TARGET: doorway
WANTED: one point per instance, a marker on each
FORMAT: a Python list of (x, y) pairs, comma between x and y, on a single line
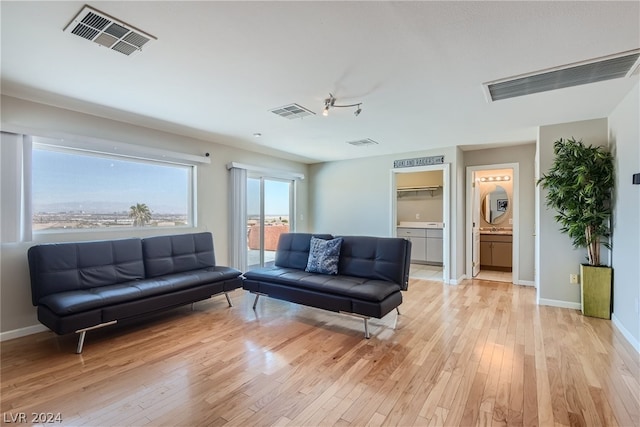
[(420, 199), (492, 237)]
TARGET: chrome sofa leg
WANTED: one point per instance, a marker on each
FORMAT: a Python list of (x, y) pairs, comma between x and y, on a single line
[(192, 306), (398, 310), (81, 342), (366, 322), (229, 299), (255, 302), (83, 333)]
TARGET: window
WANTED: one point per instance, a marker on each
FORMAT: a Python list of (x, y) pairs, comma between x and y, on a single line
[(78, 189)]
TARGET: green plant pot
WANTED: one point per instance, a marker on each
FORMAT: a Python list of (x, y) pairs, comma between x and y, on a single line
[(595, 286)]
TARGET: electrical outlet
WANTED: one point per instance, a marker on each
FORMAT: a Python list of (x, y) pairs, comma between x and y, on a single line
[(573, 279), (417, 216)]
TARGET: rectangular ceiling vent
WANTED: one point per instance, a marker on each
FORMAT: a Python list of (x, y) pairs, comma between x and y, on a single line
[(292, 111), (596, 70), (106, 31), (363, 142)]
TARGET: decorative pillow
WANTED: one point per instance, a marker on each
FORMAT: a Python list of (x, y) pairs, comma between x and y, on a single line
[(323, 255)]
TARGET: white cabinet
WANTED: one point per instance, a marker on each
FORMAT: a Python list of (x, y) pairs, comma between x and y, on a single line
[(418, 238), (426, 244), (434, 246)]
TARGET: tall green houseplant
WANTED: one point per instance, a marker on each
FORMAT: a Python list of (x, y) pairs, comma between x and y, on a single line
[(580, 184)]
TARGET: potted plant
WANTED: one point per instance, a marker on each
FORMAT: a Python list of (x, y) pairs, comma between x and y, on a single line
[(580, 183)]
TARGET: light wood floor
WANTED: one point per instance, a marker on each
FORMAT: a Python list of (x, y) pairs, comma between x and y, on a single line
[(480, 353)]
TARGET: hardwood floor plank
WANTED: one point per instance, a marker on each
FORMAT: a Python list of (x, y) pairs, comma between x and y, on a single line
[(439, 417), (558, 397), (479, 353), (431, 403), (516, 392), (474, 400), (530, 392), (501, 405), (543, 388), (617, 394)]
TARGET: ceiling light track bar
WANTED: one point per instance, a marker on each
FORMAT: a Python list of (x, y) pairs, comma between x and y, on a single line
[(330, 102)]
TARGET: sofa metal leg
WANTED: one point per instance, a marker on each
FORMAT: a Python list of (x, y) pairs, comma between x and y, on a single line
[(366, 322), (398, 310), (366, 328), (83, 333), (255, 302), (228, 299), (192, 306), (81, 342)]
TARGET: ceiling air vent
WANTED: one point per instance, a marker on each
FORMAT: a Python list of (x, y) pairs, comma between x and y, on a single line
[(363, 142), (595, 70), (106, 31), (292, 111)]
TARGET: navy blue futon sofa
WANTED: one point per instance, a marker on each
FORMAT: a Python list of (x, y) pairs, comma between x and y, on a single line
[(371, 273), (86, 285)]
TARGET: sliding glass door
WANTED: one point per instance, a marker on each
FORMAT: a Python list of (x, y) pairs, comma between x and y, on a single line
[(269, 214)]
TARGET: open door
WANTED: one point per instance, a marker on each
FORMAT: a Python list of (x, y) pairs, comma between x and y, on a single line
[(475, 213)]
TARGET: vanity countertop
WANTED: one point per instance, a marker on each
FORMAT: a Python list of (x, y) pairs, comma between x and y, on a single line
[(419, 224), (497, 230)]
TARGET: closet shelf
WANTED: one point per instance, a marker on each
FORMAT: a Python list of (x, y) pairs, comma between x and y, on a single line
[(430, 188)]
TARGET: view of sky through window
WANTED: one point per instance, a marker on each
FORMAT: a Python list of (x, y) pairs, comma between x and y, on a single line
[(73, 183), (276, 197)]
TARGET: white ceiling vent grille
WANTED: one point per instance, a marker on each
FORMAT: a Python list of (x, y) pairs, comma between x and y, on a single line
[(363, 142), (595, 70), (106, 31), (292, 111)]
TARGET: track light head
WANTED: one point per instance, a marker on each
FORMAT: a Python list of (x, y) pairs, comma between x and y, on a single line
[(329, 101)]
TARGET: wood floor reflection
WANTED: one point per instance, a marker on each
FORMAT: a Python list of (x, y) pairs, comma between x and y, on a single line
[(480, 353)]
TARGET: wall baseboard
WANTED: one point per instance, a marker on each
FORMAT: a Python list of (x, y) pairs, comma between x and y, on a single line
[(526, 283), (457, 281), (561, 304), (634, 342), (22, 332)]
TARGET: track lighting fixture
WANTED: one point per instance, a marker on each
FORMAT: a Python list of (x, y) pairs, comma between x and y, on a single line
[(330, 102)]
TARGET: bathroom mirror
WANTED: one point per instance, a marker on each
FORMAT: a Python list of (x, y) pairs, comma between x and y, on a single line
[(495, 205)]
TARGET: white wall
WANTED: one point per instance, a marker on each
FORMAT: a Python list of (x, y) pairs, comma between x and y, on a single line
[(212, 192), (557, 258), (624, 140), (353, 197), (523, 155), (420, 206)]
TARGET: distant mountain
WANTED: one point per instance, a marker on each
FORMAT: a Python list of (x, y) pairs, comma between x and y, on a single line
[(100, 207)]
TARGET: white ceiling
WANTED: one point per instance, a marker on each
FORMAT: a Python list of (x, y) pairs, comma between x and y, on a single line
[(217, 69)]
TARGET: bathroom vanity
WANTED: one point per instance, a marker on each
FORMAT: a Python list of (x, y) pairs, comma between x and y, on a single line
[(496, 250)]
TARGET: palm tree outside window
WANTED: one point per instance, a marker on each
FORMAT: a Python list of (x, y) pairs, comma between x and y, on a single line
[(140, 213)]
